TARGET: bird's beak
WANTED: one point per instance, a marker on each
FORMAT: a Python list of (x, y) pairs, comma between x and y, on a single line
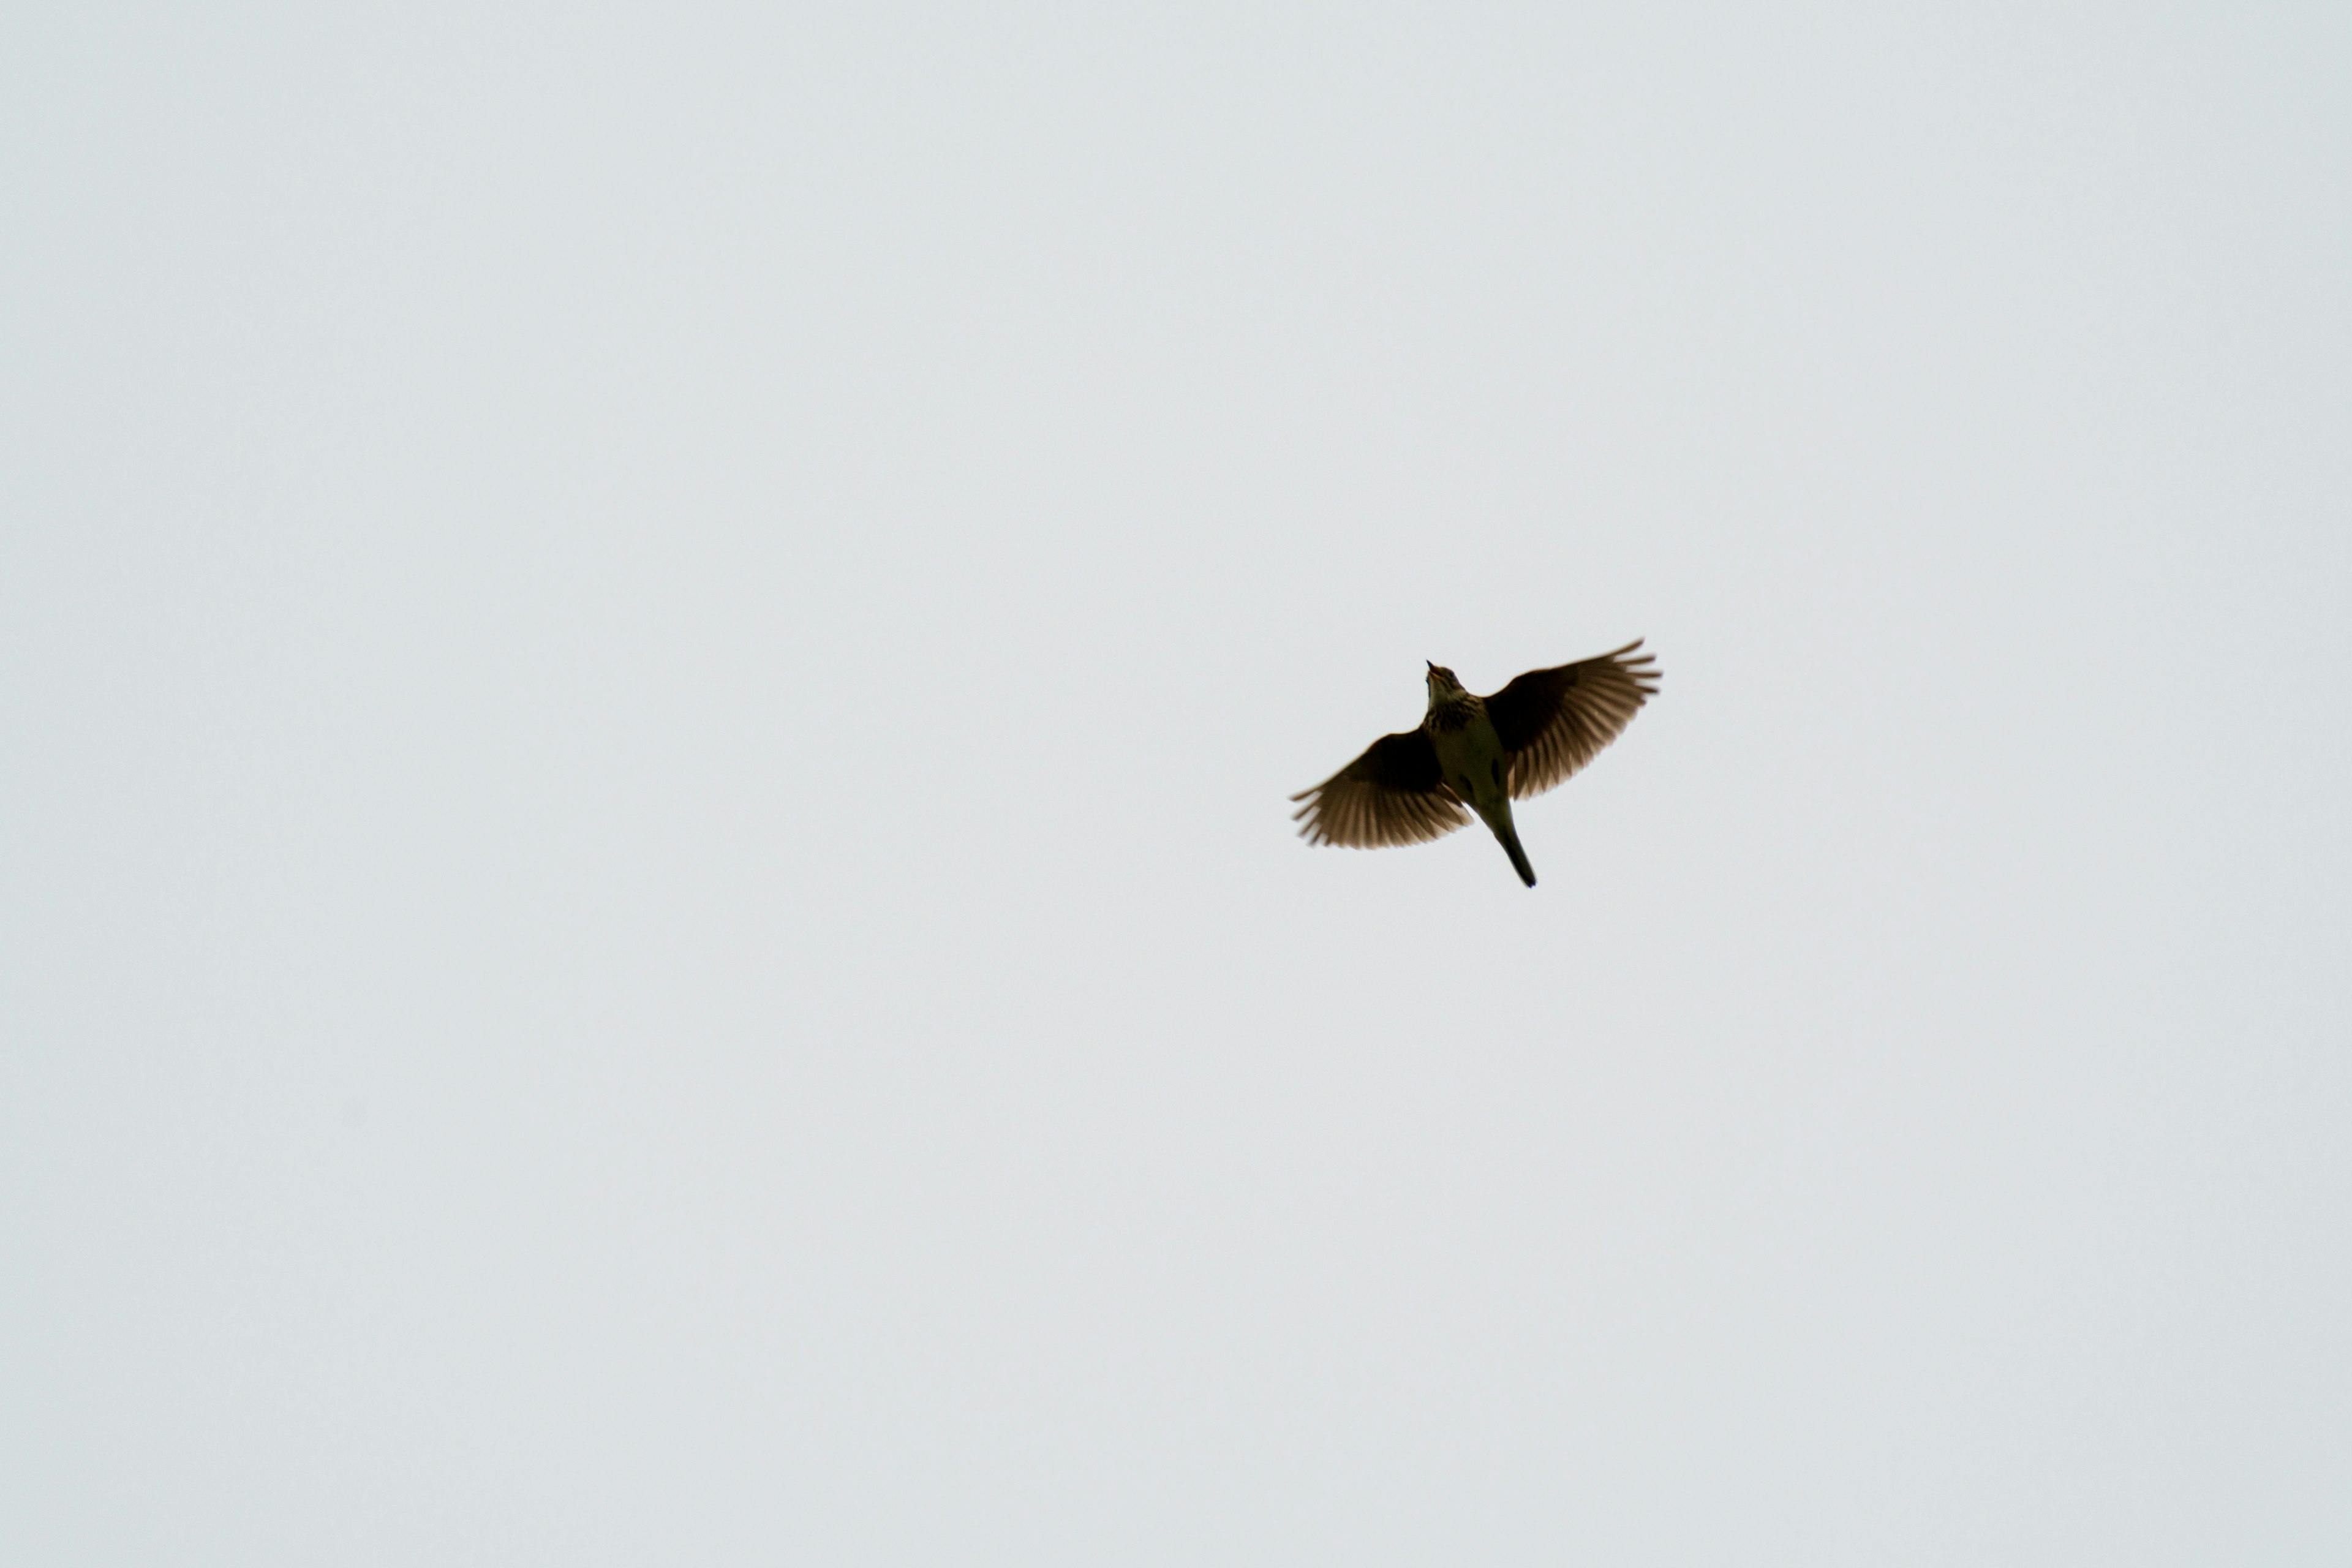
[(1432, 665)]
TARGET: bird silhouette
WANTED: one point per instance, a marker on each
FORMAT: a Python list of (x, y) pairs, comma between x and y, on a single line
[(1479, 752)]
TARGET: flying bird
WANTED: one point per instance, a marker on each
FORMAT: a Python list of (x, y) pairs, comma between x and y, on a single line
[(1479, 752)]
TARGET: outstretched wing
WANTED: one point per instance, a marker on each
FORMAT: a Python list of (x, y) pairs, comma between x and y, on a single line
[(1391, 794), (1553, 721)]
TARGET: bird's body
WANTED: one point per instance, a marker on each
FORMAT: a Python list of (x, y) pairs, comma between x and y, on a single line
[(1481, 753), (1471, 762)]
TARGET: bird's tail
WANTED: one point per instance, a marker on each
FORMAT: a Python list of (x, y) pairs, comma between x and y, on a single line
[(1509, 835)]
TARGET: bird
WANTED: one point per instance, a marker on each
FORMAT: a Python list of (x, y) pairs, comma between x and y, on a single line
[(1479, 752)]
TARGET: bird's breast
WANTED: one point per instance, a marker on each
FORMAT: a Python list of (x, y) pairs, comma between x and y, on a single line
[(1454, 717)]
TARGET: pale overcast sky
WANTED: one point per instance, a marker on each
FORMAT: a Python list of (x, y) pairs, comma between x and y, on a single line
[(649, 662)]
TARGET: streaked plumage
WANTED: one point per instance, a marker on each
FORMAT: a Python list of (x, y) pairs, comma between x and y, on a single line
[(1479, 753)]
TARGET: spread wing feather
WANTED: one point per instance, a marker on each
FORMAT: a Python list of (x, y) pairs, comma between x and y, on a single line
[(1391, 794), (1553, 721)]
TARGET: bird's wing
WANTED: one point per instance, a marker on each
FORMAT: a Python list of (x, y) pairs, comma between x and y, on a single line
[(1553, 721), (1391, 794)]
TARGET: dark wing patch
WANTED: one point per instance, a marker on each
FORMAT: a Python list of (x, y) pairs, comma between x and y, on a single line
[(1391, 794), (1553, 721)]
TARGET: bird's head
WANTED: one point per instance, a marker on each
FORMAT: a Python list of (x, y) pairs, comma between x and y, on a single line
[(1443, 687)]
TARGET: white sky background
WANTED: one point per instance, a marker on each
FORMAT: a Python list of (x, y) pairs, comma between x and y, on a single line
[(648, 666)]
